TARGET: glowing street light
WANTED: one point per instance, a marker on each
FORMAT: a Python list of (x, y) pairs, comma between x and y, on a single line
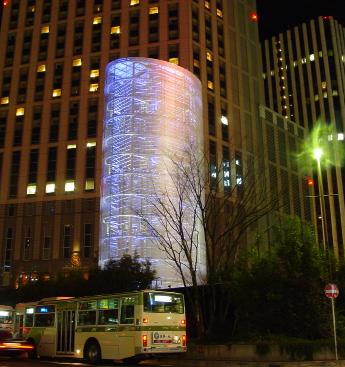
[(317, 154)]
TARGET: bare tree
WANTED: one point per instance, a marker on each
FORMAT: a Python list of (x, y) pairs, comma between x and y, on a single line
[(200, 221)]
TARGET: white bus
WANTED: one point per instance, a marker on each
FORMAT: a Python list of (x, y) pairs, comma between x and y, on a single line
[(6, 318), (116, 326)]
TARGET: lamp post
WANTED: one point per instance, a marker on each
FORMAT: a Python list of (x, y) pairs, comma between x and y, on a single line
[(318, 153)]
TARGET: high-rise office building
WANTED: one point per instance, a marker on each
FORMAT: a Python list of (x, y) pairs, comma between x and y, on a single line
[(52, 72), (304, 77)]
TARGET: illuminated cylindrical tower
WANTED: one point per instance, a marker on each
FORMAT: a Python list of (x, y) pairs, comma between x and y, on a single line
[(152, 109)]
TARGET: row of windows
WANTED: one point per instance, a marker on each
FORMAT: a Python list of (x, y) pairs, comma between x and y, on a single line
[(37, 123), (46, 243), (51, 177), (114, 32)]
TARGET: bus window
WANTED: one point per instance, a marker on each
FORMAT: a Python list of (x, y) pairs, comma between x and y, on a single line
[(44, 319), (29, 320), (87, 318), (163, 302), (127, 314), (108, 317), (44, 316)]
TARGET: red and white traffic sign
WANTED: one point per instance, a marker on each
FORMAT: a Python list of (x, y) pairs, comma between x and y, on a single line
[(331, 290)]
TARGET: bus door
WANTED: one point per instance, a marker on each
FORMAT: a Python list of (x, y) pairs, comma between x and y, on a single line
[(65, 331), (18, 325)]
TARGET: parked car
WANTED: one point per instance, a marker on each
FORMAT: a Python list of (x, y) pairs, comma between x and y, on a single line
[(14, 347)]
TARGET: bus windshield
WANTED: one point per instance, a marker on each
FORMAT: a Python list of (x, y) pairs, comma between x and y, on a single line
[(163, 302)]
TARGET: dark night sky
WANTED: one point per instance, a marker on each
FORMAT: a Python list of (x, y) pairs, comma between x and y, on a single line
[(278, 15)]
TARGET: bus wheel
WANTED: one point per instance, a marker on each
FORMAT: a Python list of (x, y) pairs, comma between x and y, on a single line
[(92, 352)]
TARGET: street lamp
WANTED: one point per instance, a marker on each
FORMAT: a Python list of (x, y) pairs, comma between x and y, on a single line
[(318, 153)]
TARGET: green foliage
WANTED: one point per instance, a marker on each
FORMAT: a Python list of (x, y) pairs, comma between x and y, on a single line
[(125, 274), (281, 292)]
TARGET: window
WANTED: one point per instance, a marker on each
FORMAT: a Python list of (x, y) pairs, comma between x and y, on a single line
[(70, 168), (87, 313), (92, 118), (33, 168), (18, 130), (8, 249), (67, 241), (153, 24), (36, 124), (27, 250), (3, 122), (26, 46), (127, 313), (54, 122), (87, 240), (46, 11), (134, 2), (46, 247), (133, 28), (73, 121), (14, 174), (173, 28), (60, 40), (51, 165)]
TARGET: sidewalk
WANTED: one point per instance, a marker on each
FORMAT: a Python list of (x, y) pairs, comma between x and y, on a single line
[(224, 363)]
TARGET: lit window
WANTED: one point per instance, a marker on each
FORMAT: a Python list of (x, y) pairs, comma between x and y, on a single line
[(207, 4), (45, 29), (323, 85), (115, 30), (208, 56), (76, 62), (320, 53), (50, 188), (93, 87), (56, 93), (134, 2), (209, 84), (330, 138), (31, 189), (224, 120), (272, 72), (219, 13), (316, 97), (97, 20), (153, 10), (89, 184), (311, 57), (32, 9), (295, 63), (41, 68), (69, 186), (334, 92), (94, 73), (239, 180), (263, 75), (90, 144), (303, 60), (20, 111), (71, 146), (341, 136), (196, 63), (4, 100), (173, 60)]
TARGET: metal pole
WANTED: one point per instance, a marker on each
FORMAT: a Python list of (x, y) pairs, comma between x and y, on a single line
[(322, 206), (334, 330)]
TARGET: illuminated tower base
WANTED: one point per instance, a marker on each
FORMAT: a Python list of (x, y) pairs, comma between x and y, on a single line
[(153, 109)]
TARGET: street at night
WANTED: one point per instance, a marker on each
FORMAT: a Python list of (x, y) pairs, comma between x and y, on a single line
[(24, 362)]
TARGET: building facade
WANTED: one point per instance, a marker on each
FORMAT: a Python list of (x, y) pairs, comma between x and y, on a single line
[(304, 77), (52, 76)]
